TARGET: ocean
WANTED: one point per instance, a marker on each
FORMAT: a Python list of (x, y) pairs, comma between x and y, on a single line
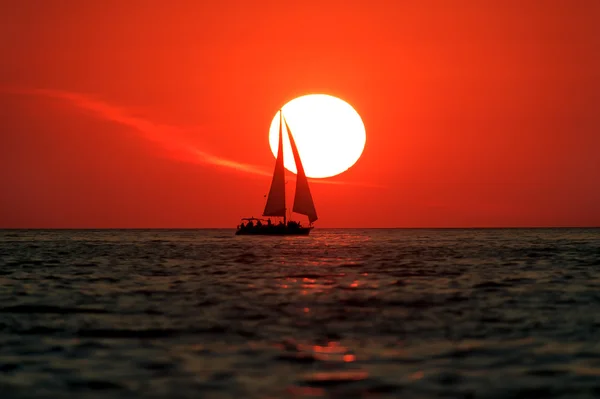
[(342, 313)]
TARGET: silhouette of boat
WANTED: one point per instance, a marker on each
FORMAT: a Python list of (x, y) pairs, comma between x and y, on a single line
[(303, 202)]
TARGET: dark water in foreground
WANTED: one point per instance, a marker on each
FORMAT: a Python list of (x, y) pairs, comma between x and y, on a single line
[(341, 313)]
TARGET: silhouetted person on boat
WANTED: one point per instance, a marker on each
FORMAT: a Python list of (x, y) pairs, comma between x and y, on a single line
[(269, 222), (250, 224), (258, 223)]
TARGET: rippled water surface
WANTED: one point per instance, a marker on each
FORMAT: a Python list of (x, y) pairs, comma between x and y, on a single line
[(341, 313)]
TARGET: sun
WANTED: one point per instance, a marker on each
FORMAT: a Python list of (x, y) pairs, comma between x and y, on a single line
[(329, 134)]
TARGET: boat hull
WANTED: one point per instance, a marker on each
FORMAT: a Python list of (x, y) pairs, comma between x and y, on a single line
[(274, 231)]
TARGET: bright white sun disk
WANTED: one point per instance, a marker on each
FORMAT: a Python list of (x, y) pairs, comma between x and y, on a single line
[(329, 134)]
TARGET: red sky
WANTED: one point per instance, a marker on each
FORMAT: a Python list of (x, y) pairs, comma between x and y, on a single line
[(156, 114)]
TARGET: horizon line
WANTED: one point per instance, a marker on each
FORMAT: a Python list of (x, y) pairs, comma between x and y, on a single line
[(320, 228)]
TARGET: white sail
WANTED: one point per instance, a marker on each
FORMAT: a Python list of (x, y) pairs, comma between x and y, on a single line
[(276, 200), (303, 202)]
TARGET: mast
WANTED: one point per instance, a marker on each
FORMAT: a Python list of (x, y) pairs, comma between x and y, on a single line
[(283, 163), (276, 200)]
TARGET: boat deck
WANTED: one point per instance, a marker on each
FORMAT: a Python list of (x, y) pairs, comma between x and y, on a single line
[(274, 230)]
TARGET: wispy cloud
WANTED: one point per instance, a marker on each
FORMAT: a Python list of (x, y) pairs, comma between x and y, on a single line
[(167, 136), (170, 138)]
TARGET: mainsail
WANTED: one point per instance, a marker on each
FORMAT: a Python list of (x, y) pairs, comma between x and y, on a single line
[(276, 200), (303, 202)]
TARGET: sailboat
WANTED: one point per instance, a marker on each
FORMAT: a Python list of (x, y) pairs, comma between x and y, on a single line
[(303, 202)]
